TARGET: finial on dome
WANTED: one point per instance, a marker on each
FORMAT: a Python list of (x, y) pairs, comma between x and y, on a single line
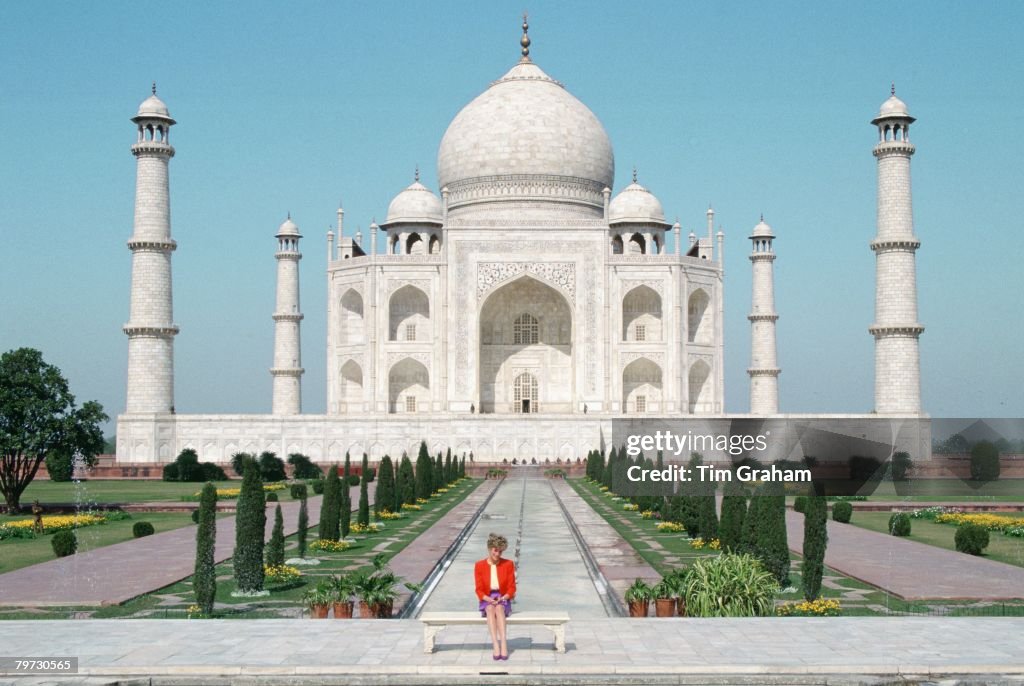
[(289, 214), (762, 216), (416, 175), (634, 173), (525, 40), (154, 88), (892, 88)]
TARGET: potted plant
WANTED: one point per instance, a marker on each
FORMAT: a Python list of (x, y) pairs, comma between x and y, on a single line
[(638, 598), (318, 598), (343, 588), (664, 601), (676, 581)]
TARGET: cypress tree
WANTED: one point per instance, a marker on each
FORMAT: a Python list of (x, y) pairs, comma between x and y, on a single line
[(364, 496), (438, 473), (734, 511), (424, 478), (275, 549), (329, 506), (772, 545), (598, 473), (462, 467), (815, 542), (707, 512), (345, 501), (250, 524), (204, 582), (748, 532), (449, 469), (606, 470), (406, 481), (384, 496), (303, 532)]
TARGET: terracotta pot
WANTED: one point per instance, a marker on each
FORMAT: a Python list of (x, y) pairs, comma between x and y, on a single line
[(665, 607), (383, 610), (343, 610), (682, 606), (638, 608), (365, 611), (318, 611)]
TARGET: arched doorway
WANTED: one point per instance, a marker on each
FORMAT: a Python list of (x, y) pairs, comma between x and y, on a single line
[(524, 390)]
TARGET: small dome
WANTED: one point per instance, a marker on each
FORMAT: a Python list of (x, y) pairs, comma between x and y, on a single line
[(153, 108), (893, 108), (288, 228), (635, 205), (762, 230), (414, 205)]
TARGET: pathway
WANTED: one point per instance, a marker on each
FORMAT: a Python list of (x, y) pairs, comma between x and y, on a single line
[(908, 569), (610, 650), (116, 573)]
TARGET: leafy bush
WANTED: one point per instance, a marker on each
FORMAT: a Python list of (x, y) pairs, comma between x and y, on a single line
[(271, 467), (187, 467), (329, 519), (971, 538), (250, 525), (275, 548), (899, 524), (240, 460), (303, 467), (272, 497), (60, 466), (729, 586), (140, 529), (212, 472), (64, 543), (815, 543), (204, 581), (318, 487), (298, 491), (800, 504), (984, 461), (863, 468), (170, 472), (353, 480), (901, 463), (842, 511), (195, 513)]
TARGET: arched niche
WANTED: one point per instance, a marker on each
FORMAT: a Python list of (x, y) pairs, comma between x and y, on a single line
[(409, 315), (408, 387), (698, 320), (641, 315), (641, 386), (351, 378), (700, 388), (352, 323)]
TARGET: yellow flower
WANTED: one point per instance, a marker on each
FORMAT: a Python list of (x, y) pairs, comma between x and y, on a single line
[(280, 574), (669, 527), (715, 544), (372, 527), (329, 546), (647, 514), (407, 506), (697, 543), (630, 507), (388, 514)]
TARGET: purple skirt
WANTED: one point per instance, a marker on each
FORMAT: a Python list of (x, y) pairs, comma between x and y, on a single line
[(507, 604)]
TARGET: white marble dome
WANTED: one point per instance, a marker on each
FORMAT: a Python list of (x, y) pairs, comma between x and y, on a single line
[(762, 230), (526, 123), (288, 228), (893, 107), (417, 204), (153, 107), (635, 205)]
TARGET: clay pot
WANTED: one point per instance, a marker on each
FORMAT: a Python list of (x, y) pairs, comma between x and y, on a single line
[(638, 608), (383, 610), (318, 611), (665, 607), (682, 606), (365, 611), (343, 610)]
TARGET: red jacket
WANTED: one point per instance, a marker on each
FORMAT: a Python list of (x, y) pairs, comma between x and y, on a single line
[(506, 578)]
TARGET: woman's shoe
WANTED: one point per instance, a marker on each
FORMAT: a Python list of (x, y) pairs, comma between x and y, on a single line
[(503, 657), (497, 657)]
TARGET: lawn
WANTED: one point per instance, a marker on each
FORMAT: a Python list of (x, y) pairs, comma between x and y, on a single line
[(16, 553), (284, 600), (105, 491), (1001, 548), (958, 490)]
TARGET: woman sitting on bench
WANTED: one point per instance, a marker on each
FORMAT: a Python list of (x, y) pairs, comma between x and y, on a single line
[(495, 588)]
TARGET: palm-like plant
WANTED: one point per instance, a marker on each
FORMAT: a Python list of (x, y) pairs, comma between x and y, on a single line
[(730, 586)]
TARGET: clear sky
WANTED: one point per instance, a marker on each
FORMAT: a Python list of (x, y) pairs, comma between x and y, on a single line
[(294, 106)]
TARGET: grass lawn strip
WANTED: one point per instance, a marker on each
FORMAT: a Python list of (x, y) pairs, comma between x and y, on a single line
[(105, 491)]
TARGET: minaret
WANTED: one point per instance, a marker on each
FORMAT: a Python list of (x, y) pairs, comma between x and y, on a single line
[(896, 329), (764, 370), (150, 326), (287, 370)]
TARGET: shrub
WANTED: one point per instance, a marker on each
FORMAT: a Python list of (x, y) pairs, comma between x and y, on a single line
[(971, 538), (239, 461), (297, 491), (364, 494), (329, 506), (303, 467), (204, 581), (863, 468), (140, 529), (901, 464), (271, 467), (195, 513), (353, 480), (729, 586), (60, 466), (800, 504), (272, 497), (815, 542), (250, 524), (212, 472), (64, 543), (899, 524), (384, 494), (424, 473), (170, 472), (406, 482), (772, 547), (275, 548), (318, 486), (734, 511), (984, 461), (344, 502), (303, 529), (842, 511)]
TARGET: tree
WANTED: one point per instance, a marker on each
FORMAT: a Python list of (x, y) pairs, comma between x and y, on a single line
[(275, 549), (901, 463), (406, 481), (815, 541), (772, 544), (438, 473), (364, 495), (462, 468), (748, 532), (449, 475), (984, 461), (271, 467), (424, 478), (329, 506), (344, 502), (303, 533), (240, 460), (304, 467), (38, 417), (204, 580), (384, 496), (250, 523), (734, 511)]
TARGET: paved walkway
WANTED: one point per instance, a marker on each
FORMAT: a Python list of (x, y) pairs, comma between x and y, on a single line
[(598, 650), (908, 569), (550, 573), (116, 573)]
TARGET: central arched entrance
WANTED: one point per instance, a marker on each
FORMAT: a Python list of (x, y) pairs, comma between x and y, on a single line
[(526, 350)]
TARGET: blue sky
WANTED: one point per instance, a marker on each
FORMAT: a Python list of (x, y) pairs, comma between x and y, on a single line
[(293, 106)]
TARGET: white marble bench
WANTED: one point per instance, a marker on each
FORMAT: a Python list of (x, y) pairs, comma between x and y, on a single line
[(434, 622)]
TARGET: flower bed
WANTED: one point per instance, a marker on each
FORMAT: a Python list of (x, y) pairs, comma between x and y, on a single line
[(630, 507), (407, 506), (370, 528), (670, 527), (820, 607), (280, 574), (700, 544), (388, 514), (24, 528), (1011, 526), (231, 493), (330, 546)]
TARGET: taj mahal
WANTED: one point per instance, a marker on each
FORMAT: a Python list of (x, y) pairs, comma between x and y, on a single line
[(514, 311)]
